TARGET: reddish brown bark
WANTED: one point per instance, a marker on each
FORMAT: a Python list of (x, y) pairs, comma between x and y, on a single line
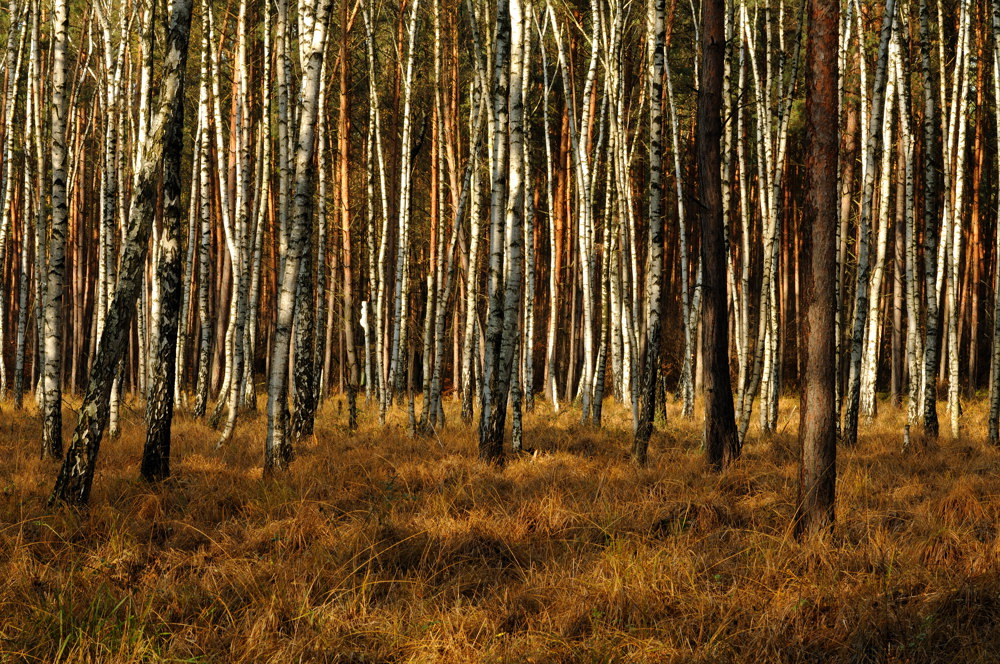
[(722, 444), (818, 415)]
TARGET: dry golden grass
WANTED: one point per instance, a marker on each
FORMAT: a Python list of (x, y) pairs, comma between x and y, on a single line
[(378, 548)]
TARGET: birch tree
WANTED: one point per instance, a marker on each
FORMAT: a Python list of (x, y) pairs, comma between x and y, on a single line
[(52, 445), (277, 450), (656, 40), (16, 39), (77, 473), (872, 152), (155, 463), (932, 161)]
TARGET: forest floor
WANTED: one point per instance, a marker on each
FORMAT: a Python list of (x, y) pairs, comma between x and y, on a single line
[(376, 547)]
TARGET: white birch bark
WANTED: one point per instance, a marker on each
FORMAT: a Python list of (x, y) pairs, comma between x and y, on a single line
[(380, 279), (656, 47), (472, 272), (401, 286), (77, 472), (914, 339), (503, 325), (16, 38), (225, 216), (240, 251), (526, 377), (277, 446), (552, 389), (262, 210), (490, 441), (960, 111), (932, 158), (871, 153), (773, 139), (869, 358), (205, 237), (56, 267)]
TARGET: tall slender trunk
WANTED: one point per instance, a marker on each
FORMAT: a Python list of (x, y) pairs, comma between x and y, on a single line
[(654, 256), (964, 76), (343, 155), (52, 444), (204, 245), (77, 473), (872, 151), (818, 415), (241, 256), (277, 450), (870, 349), (155, 463), (472, 262), (490, 443), (932, 164), (551, 386), (264, 207), (401, 289), (994, 416), (16, 39), (722, 443), (504, 324)]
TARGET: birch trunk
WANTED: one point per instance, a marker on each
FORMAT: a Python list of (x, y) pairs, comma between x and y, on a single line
[(278, 451), (204, 245), (26, 227), (872, 151), (52, 444), (263, 209), (654, 256), (16, 38), (155, 463), (472, 275), (965, 75), (503, 329), (869, 358), (932, 165), (379, 277), (77, 472), (490, 443), (401, 289), (551, 387), (241, 256), (914, 340)]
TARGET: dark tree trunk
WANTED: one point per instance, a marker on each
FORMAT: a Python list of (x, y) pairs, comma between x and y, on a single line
[(818, 415), (722, 444)]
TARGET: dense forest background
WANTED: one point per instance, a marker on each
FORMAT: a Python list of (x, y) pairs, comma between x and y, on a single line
[(386, 199)]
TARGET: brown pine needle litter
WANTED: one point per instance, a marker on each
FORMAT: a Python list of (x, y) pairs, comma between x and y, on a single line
[(376, 547)]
